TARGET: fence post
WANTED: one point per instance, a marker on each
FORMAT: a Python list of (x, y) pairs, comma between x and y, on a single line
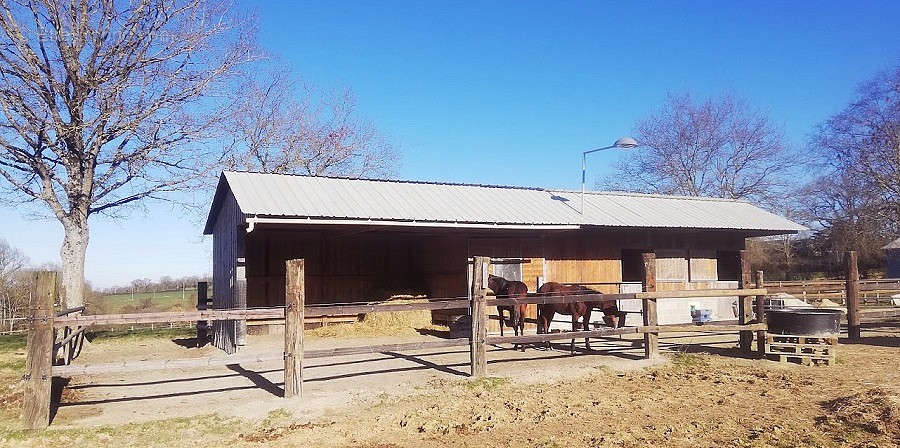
[(760, 316), (202, 292), (294, 303), (479, 316), (64, 347), (240, 292), (648, 280), (852, 302), (745, 303), (39, 357)]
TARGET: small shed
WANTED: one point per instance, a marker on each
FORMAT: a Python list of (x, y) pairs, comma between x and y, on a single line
[(370, 239), (892, 259)]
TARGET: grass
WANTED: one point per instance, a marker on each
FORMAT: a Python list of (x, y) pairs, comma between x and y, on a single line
[(689, 360), (166, 432), (15, 365), (12, 342), (149, 301), (140, 333), (487, 382)]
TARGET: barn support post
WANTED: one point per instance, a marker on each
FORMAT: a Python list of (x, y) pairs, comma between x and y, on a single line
[(745, 303), (648, 284), (478, 355), (294, 303), (202, 326), (39, 357), (760, 316), (852, 288), (240, 298)]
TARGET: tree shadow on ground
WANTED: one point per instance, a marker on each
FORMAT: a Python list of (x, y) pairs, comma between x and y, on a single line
[(428, 364), (191, 342), (878, 341), (731, 352), (443, 334)]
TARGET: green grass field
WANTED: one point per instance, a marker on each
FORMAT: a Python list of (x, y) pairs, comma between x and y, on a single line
[(149, 302)]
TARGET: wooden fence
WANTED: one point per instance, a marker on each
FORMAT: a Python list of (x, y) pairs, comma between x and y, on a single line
[(865, 300), (42, 363)]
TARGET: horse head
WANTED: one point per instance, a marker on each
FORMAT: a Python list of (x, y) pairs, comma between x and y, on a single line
[(496, 284)]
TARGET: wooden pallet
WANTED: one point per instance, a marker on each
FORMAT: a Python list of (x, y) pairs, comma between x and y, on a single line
[(787, 338), (806, 350), (807, 360)]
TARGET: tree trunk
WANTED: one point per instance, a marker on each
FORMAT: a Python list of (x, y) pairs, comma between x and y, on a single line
[(72, 254)]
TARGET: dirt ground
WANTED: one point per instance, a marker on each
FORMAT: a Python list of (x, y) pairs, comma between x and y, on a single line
[(701, 394)]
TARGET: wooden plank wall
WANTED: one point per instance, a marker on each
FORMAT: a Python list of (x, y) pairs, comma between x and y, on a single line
[(346, 265), (574, 258), (340, 267), (528, 247), (228, 245)]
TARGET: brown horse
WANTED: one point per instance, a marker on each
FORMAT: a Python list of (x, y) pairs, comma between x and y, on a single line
[(577, 310), (510, 289)]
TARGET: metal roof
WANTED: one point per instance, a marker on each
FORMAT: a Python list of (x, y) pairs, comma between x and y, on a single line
[(297, 196), (892, 245)]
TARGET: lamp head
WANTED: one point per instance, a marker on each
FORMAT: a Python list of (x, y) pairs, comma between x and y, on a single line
[(626, 143)]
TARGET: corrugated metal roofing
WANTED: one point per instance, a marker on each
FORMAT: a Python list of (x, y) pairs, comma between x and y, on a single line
[(893, 244), (274, 195)]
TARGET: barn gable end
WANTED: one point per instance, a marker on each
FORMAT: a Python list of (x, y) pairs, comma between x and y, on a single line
[(229, 280)]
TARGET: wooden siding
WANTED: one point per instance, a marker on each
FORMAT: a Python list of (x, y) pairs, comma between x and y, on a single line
[(228, 245), (703, 265), (531, 271), (582, 258), (366, 264), (671, 265), (339, 267)]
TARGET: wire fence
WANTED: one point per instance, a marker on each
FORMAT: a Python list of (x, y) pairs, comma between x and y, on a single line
[(13, 325)]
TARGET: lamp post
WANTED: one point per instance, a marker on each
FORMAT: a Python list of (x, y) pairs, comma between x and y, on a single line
[(624, 143)]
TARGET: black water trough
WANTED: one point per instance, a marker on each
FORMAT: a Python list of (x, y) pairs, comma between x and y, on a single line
[(804, 321)]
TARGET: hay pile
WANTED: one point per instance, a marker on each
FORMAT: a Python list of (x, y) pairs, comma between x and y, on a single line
[(876, 411), (382, 324)]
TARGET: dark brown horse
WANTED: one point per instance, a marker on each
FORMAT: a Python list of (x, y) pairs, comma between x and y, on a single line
[(510, 289), (577, 310)]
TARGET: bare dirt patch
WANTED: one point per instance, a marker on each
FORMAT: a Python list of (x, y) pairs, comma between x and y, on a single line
[(544, 399)]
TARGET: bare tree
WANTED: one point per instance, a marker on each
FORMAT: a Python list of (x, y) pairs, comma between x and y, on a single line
[(283, 126), (105, 103), (863, 141), (13, 299), (847, 214), (719, 147)]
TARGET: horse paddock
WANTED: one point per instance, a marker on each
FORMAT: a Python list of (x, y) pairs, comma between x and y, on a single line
[(709, 396), (252, 390)]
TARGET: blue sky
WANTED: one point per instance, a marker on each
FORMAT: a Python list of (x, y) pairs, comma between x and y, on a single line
[(512, 92)]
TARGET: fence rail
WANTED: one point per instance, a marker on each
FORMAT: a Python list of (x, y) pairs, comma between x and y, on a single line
[(479, 296), (295, 312), (349, 309)]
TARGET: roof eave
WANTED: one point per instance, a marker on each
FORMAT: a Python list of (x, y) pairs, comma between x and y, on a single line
[(218, 197)]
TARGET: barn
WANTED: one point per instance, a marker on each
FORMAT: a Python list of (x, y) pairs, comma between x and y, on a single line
[(892, 258), (373, 239)]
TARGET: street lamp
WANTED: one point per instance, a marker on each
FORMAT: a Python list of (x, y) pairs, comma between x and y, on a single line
[(624, 143)]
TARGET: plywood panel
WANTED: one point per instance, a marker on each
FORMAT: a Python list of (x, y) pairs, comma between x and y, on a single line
[(703, 265), (531, 271), (671, 265), (577, 259)]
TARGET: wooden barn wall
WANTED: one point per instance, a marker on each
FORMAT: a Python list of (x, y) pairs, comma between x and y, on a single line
[(345, 266), (228, 245), (340, 267)]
